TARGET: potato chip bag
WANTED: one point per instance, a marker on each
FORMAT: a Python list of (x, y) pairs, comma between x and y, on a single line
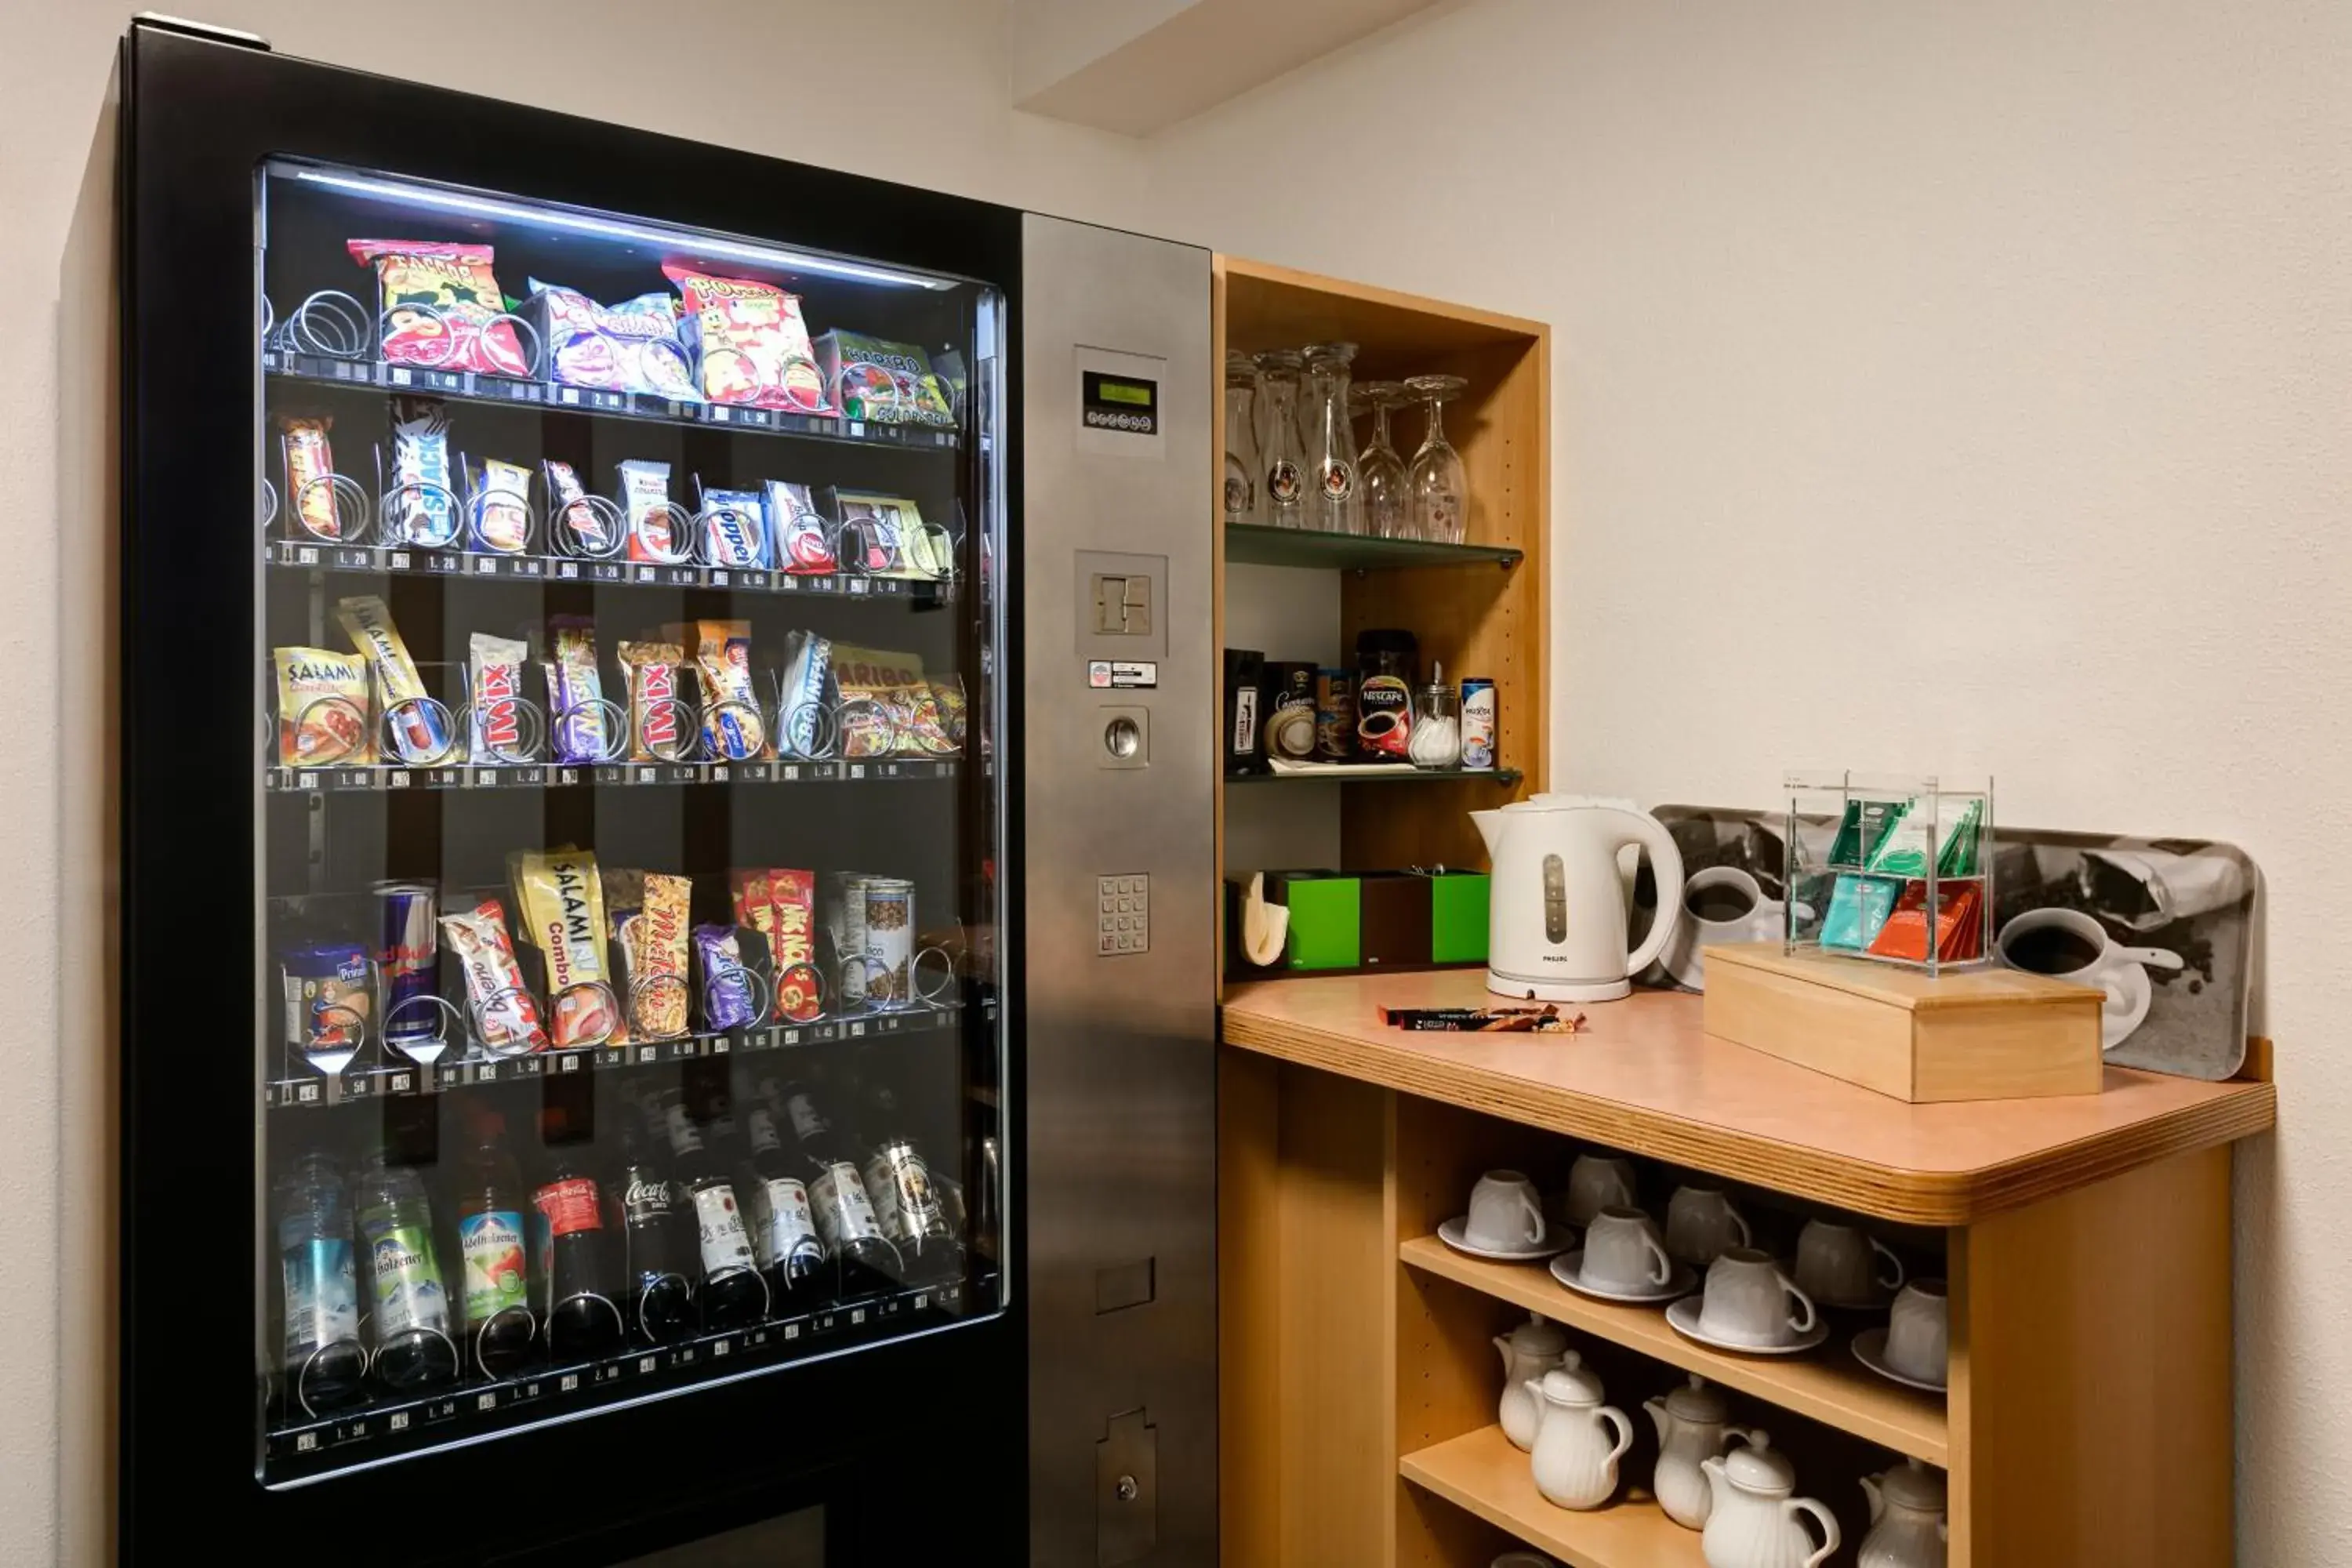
[(750, 343), (441, 307), (323, 708)]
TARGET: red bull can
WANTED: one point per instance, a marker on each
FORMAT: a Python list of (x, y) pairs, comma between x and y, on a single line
[(409, 960)]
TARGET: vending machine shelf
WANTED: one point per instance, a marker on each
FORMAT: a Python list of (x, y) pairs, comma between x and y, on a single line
[(307, 1090), (373, 780), (307, 555)]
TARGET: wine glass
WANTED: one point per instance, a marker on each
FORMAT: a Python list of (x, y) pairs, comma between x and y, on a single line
[(1440, 490), (1388, 512), (1333, 505)]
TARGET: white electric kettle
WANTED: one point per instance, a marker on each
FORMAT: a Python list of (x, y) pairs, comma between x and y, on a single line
[(1556, 905)]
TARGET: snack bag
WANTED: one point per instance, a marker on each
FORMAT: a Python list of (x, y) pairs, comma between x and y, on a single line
[(420, 734), (750, 343), (652, 520), (630, 347), (657, 718), (442, 306), (886, 706), (505, 1014), (494, 668), (780, 905), (732, 728), (947, 694), (310, 472), (424, 510), (575, 692), (799, 710), (562, 905), (500, 509), (323, 708), (653, 937), (804, 539), (727, 999), (882, 382), (889, 537), (734, 529), (568, 505)]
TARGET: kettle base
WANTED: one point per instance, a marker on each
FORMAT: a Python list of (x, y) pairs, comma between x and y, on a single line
[(1558, 990)]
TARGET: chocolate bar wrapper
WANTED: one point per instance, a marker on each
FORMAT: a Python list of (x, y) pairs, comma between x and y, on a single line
[(882, 382), (748, 890), (732, 728), (310, 460), (494, 668), (801, 718), (727, 999), (656, 717), (575, 693), (422, 511), (750, 344), (654, 942), (505, 1014), (500, 509), (323, 708), (562, 911), (568, 504), (442, 306), (734, 526), (651, 518), (420, 733), (804, 538)]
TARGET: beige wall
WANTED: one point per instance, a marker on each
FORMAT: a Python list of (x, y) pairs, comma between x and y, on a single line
[(2025, 327), (1939, 386)]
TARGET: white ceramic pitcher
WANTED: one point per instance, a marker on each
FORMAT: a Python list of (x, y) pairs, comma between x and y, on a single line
[(1529, 1351), (1575, 1464), (1907, 1528), (1694, 1425), (1752, 1521)]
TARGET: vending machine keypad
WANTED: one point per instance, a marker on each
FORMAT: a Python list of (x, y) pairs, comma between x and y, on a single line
[(1122, 914)]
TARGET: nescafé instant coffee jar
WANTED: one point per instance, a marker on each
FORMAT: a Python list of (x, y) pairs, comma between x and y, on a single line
[(1388, 663)]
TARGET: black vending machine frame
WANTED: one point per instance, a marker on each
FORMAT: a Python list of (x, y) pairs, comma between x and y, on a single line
[(914, 1447)]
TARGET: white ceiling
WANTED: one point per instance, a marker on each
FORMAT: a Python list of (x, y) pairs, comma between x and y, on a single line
[(1138, 66)]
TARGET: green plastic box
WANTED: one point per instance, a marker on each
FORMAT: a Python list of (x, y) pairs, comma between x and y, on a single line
[(1326, 920), (1457, 917)]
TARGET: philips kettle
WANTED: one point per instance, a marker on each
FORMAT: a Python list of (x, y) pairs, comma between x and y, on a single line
[(1556, 904)]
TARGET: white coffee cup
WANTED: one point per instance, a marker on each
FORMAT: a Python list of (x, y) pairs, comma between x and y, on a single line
[(1503, 1215), (1701, 1222), (1720, 904), (1623, 1253), (1835, 1263), (2108, 968), (1919, 1333), (1748, 1301), (1291, 733), (1597, 1181)]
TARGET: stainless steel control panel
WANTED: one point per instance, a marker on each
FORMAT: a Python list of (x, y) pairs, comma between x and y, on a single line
[(1118, 713)]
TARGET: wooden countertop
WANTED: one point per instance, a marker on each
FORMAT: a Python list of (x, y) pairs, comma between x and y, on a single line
[(1645, 1077)]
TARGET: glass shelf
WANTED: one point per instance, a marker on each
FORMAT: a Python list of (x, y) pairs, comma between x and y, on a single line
[(1249, 544), (1507, 776), (475, 386)]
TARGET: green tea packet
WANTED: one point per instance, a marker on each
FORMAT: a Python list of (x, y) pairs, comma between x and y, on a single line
[(1862, 830), (1858, 908), (1903, 851)]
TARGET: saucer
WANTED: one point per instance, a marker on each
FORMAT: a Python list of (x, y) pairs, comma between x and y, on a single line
[(1879, 1300), (1450, 1233), (1567, 1270), (2140, 995), (1870, 1348), (1683, 1317)]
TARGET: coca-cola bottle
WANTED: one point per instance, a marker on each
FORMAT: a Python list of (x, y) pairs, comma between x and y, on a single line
[(574, 1272), (730, 1291), (408, 1305), (657, 1248), (864, 1261), (791, 1254), (502, 1330), (324, 1363)]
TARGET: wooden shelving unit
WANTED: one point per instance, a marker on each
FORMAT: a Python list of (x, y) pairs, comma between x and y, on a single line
[(1248, 545), (1480, 1472), (1827, 1384)]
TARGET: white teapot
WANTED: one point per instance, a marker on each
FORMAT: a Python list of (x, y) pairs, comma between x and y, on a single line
[(1529, 1351), (1906, 1519), (1693, 1424), (1751, 1520), (1575, 1465)]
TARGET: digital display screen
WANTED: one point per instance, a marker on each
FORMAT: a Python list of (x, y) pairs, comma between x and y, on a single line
[(1126, 403)]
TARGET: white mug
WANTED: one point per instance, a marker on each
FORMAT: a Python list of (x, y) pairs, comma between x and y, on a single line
[(1701, 1222), (1748, 1301), (1503, 1215), (1835, 1264), (1623, 1253), (1597, 1181), (1919, 1333), (1710, 897), (2109, 969)]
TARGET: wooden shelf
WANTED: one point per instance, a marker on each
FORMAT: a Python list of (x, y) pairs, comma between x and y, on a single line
[(1645, 1077), (1827, 1384), (1480, 1472), (1251, 544), (1506, 777)]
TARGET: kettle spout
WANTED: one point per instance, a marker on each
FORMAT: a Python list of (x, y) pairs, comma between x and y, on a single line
[(1716, 1485), (1657, 1409), (1504, 1346), (1490, 825), (1877, 1498)]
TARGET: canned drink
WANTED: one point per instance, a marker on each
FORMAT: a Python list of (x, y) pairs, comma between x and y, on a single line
[(889, 905), (408, 960), (850, 942), (326, 1000), (1480, 712)]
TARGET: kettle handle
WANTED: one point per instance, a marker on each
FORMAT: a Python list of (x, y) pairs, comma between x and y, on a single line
[(1831, 1538), (1667, 867)]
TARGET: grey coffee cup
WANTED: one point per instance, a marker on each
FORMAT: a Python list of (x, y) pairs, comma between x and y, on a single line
[(1623, 1253), (1749, 1301)]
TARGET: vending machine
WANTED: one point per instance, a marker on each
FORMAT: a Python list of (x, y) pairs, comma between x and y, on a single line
[(665, 708)]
